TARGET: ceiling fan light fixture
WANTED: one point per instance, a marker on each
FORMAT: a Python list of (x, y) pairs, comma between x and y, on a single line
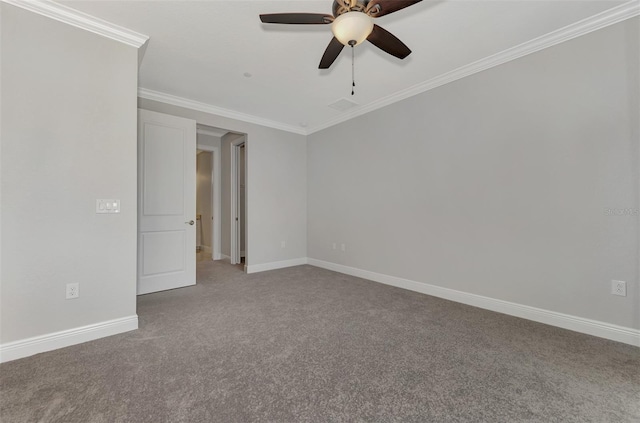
[(352, 26)]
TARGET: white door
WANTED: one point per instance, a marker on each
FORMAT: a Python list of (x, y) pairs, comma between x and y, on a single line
[(166, 202)]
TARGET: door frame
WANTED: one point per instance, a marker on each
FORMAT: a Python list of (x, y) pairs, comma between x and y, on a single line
[(235, 201), (216, 199)]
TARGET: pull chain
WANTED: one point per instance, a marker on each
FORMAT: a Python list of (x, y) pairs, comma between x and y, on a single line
[(353, 68)]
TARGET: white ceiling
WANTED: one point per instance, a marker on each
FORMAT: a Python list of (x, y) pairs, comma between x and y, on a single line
[(200, 50)]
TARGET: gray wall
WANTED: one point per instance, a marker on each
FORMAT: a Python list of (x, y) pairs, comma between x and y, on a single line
[(276, 185), (68, 138), (496, 184)]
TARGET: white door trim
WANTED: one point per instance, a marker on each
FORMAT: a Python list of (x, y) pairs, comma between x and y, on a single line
[(216, 175)]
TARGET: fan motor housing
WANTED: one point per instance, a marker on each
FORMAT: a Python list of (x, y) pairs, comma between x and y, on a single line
[(343, 6)]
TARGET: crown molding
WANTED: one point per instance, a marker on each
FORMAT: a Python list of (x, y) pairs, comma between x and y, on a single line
[(215, 110), (601, 20), (81, 20)]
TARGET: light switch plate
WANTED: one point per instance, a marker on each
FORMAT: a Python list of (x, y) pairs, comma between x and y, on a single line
[(104, 206)]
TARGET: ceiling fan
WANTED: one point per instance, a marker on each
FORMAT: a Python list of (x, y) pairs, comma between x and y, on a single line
[(351, 24)]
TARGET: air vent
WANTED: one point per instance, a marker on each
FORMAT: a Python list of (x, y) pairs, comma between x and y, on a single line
[(343, 104)]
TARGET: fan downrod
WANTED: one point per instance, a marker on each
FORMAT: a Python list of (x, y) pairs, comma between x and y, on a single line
[(353, 43)]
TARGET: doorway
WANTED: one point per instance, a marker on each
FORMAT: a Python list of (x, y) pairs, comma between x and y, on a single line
[(208, 193), (204, 205), (238, 202)]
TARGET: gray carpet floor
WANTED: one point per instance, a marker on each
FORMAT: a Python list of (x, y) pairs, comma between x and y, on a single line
[(308, 345)]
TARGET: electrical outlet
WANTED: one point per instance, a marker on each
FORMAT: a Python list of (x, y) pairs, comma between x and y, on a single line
[(73, 290), (619, 288), (343, 247), (334, 246), (283, 244)]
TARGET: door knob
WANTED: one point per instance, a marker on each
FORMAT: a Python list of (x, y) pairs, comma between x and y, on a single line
[(191, 222)]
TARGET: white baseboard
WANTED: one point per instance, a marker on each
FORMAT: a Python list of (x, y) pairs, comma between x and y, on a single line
[(52, 341), (578, 324), (254, 268), (217, 256), (206, 249), (225, 257)]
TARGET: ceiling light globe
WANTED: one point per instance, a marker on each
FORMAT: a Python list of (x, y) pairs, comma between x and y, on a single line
[(352, 26)]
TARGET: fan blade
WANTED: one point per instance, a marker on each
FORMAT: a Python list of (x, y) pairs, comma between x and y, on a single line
[(377, 8), (388, 42), (331, 53), (297, 18)]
